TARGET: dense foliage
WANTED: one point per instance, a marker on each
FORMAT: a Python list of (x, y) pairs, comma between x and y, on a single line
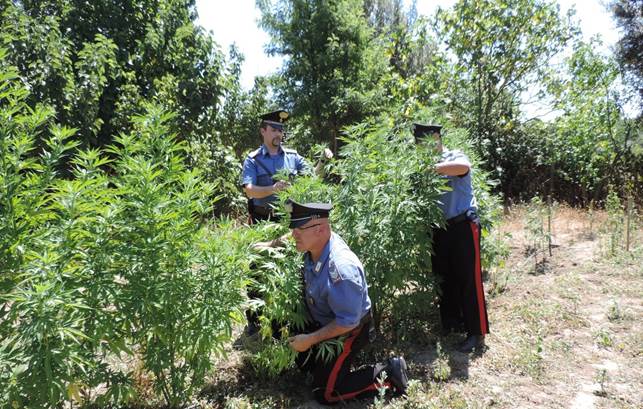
[(475, 64), (122, 127), (98, 63), (628, 14), (110, 264)]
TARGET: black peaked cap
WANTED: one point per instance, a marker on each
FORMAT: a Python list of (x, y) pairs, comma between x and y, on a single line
[(300, 214), (422, 130), (275, 117)]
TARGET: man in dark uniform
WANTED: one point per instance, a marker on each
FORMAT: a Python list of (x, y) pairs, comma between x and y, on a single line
[(339, 306), (456, 248), (262, 164)]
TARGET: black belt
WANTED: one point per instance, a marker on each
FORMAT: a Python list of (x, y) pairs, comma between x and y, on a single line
[(366, 318), (458, 219), (263, 210)]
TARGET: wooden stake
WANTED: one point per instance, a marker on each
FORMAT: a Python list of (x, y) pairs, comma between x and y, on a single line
[(628, 216)]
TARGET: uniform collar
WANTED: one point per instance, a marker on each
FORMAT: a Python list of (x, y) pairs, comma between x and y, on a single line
[(319, 265), (264, 150)]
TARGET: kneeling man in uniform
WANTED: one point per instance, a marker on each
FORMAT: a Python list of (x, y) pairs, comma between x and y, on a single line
[(338, 303)]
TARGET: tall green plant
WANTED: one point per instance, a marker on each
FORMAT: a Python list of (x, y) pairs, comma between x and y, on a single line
[(45, 243), (386, 203), (500, 48), (113, 262), (537, 235), (613, 229), (176, 311)]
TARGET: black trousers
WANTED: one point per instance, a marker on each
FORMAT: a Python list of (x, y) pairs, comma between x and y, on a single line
[(456, 260), (254, 217), (333, 381)]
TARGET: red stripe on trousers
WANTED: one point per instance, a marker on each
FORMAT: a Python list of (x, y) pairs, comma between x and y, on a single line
[(478, 278), (330, 385)]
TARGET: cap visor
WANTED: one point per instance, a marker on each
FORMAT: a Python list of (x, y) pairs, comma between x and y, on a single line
[(294, 223)]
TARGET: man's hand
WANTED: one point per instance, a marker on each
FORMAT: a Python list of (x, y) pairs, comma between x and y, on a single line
[(262, 245), (326, 154), (279, 186), (271, 244), (301, 342)]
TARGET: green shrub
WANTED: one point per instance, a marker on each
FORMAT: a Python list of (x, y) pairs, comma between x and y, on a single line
[(386, 203), (43, 311), (114, 261)]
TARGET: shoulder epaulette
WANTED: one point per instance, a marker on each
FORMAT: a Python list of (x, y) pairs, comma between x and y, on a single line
[(288, 150), (254, 153), (334, 273)]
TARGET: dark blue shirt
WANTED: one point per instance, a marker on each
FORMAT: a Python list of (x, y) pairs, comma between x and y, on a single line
[(336, 286), (258, 175)]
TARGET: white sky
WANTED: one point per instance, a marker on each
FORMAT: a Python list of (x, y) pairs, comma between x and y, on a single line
[(236, 21)]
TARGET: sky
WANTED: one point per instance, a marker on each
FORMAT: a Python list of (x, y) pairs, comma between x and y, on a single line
[(236, 22)]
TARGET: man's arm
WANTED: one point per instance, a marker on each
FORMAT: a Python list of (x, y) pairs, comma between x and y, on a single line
[(456, 168), (278, 242), (259, 192), (457, 164), (324, 157), (303, 342), (249, 182)]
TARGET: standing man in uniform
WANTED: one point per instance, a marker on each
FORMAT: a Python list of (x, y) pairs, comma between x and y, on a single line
[(262, 164), (456, 247), (257, 180), (336, 296)]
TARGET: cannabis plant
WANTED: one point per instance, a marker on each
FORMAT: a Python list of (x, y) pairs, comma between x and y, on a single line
[(386, 205), (112, 261)]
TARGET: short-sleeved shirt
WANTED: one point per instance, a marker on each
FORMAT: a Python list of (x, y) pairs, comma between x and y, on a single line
[(336, 286), (460, 197), (259, 168)]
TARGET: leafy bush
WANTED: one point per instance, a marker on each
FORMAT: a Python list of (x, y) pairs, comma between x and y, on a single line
[(385, 204), (176, 311), (220, 167), (283, 313), (43, 312), (114, 262), (612, 230)]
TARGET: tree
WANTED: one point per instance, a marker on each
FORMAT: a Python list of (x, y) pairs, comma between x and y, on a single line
[(96, 62), (325, 73), (404, 36), (499, 47), (594, 141), (414, 75), (629, 18)]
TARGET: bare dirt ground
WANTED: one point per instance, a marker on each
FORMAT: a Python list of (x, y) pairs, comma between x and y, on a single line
[(565, 333)]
